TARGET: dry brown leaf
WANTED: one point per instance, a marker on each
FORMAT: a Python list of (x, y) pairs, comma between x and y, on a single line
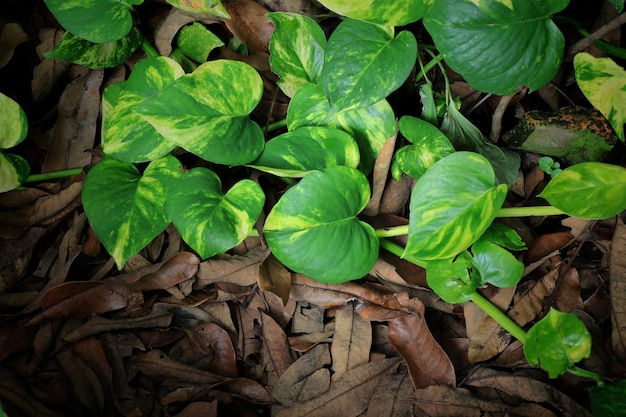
[(530, 303), (199, 408), (349, 395), (49, 71), (15, 256), (14, 338), (528, 390), (176, 269), (157, 364), (577, 225), (617, 288), (305, 7), (306, 378), (409, 335), (396, 195), (351, 342), (212, 340), (394, 397), (308, 318), (567, 297), (242, 270), (380, 173), (74, 134), (15, 394), (171, 24), (84, 382), (11, 35), (277, 354), (250, 25), (275, 278), (546, 244)]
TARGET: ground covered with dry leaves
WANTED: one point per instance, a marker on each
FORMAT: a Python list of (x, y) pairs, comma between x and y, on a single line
[(240, 335)]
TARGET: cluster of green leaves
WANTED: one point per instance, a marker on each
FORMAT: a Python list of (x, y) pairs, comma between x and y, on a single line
[(337, 123)]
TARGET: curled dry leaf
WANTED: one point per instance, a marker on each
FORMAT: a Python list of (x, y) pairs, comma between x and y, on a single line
[(242, 270), (212, 339), (617, 271), (276, 350), (11, 35), (180, 267), (380, 174), (250, 25), (276, 278)]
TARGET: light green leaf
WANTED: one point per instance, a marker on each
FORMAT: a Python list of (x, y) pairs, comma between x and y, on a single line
[(451, 206), (498, 45), (297, 153), (197, 42), (14, 170), (96, 55), (453, 279), (619, 5), (590, 190), (213, 7), (98, 21), (208, 220), (429, 145), (127, 209), (206, 113), (313, 229), (400, 13), (504, 236), (364, 63), (495, 265), (556, 342), (13, 123), (125, 134), (370, 126), (296, 50), (603, 82)]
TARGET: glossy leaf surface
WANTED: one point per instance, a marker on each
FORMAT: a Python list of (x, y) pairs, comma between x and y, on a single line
[(296, 50), (452, 279), (603, 82), (13, 129), (591, 190), (451, 206), (496, 265), (98, 21), (309, 148), (214, 7), (498, 45), (379, 11), (313, 229), (125, 208), (197, 42), (556, 342), (125, 134), (370, 126), (208, 220), (207, 114), (364, 63)]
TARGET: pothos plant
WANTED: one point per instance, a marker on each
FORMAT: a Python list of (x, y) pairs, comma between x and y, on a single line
[(337, 123)]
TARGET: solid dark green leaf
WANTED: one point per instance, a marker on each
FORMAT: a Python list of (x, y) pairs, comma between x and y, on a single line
[(591, 190), (453, 279), (498, 45), (208, 220), (364, 63), (556, 342), (609, 400), (306, 149), (125, 208), (314, 229), (496, 265), (96, 55)]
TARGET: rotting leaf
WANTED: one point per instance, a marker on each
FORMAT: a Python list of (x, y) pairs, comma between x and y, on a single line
[(210, 336)]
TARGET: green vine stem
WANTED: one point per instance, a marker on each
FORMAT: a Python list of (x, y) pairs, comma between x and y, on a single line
[(575, 370), (502, 319), (149, 49), (54, 175), (277, 125)]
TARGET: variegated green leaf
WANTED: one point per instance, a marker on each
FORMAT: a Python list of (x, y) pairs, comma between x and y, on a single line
[(603, 82), (206, 113), (429, 145), (364, 63), (297, 153), (125, 134), (209, 221), (498, 45), (14, 170), (453, 279), (96, 55), (398, 13), (125, 208), (98, 21), (13, 123), (197, 42), (370, 126), (213, 7), (591, 190), (452, 204), (296, 50), (313, 229)]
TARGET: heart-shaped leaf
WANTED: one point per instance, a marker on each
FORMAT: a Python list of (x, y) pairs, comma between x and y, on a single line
[(306, 149), (496, 265), (526, 44), (208, 220), (127, 209), (453, 279), (313, 229), (14, 170), (125, 134), (364, 63), (13, 129), (370, 126), (296, 50), (206, 113), (402, 12), (452, 204), (96, 55), (556, 342), (590, 190), (603, 82), (98, 21)]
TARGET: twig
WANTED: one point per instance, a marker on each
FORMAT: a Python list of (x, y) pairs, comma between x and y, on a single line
[(498, 114), (603, 30)]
